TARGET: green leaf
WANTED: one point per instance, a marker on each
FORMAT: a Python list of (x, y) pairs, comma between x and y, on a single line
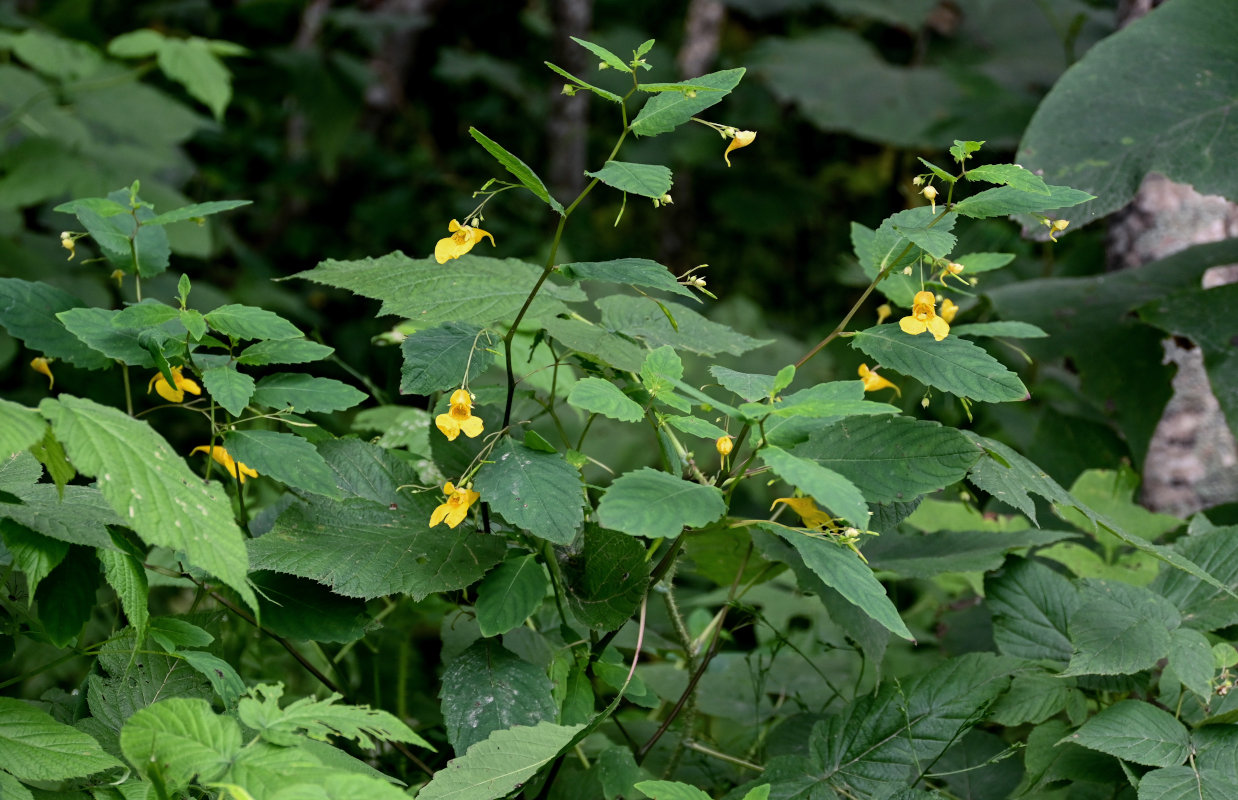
[(178, 740), (319, 720), (823, 401), (127, 577), (518, 168), (66, 597), (475, 290), (750, 387), (1002, 328), (445, 357), (1011, 175), (952, 365), (304, 393), (845, 572), (80, 517), (1133, 730), (647, 502), (640, 318), (1083, 134), (364, 549), (667, 111), (630, 271), (610, 58), (696, 427), (28, 312), (672, 790), (1186, 783), (646, 180), (606, 579), (222, 676), (1031, 607), (486, 689), (51, 455), (171, 633), (285, 457), (93, 327), (538, 492), (249, 322), (1034, 697), (195, 211), (926, 555), (138, 677), (1204, 607), (928, 232), (1191, 660), (892, 458), (296, 608), (1119, 629), (151, 487), (51, 55), (605, 95), (961, 151), (231, 389), (147, 314), (32, 553), (826, 486), (13, 788), (598, 396), (975, 263), (598, 343), (1006, 200), (20, 427), (191, 63), (504, 761), (35, 747), (121, 240), (510, 594), (283, 351)]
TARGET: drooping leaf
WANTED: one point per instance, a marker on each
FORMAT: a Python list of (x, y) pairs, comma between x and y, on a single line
[(93, 327), (33, 554), (827, 487), (539, 492), (500, 763), (20, 427), (952, 365), (611, 96), (1119, 629), (319, 719), (648, 502), (606, 580), (66, 597), (182, 739), (486, 689), (518, 168), (1031, 607), (444, 357), (1007, 200), (510, 594), (666, 111), (249, 322), (28, 312), (646, 180), (35, 747), (599, 396), (630, 271), (191, 63), (641, 318), (223, 677), (195, 211), (1136, 731), (230, 388), (283, 351), (304, 393), (285, 457), (924, 555)]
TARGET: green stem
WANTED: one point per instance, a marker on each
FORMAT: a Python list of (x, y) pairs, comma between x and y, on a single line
[(124, 374)]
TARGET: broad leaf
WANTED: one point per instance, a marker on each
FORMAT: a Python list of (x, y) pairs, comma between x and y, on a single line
[(1007, 200), (646, 180), (137, 677), (66, 598), (183, 738), (607, 579), (445, 357), (536, 491), (673, 790), (599, 396), (93, 327), (952, 365), (510, 594), (248, 322), (1119, 629), (597, 343), (33, 554), (642, 318), (486, 689), (494, 767), (518, 168), (826, 486), (630, 271), (20, 427), (283, 351), (666, 111), (285, 457), (319, 719), (297, 608), (1031, 606), (28, 311), (229, 388), (1011, 175), (823, 401), (925, 555), (648, 502), (304, 393), (35, 747), (1186, 783), (1136, 731), (143, 251), (1204, 607)]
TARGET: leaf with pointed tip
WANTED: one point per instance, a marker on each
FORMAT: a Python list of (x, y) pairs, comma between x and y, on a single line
[(629, 271), (952, 365), (826, 486), (599, 396), (1135, 731), (538, 492), (646, 180), (183, 739), (505, 760), (607, 579), (668, 110), (20, 427), (518, 168), (647, 502), (510, 594), (29, 310), (444, 357), (35, 747), (487, 688), (231, 389), (306, 393), (285, 457)]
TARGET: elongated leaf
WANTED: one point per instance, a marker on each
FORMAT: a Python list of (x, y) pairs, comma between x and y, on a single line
[(510, 594), (505, 760), (672, 790), (319, 719), (696, 427), (285, 457), (646, 180), (518, 168), (607, 579), (823, 401), (127, 578), (80, 517), (1192, 661), (1031, 607), (283, 351), (20, 427), (248, 322), (196, 210), (152, 488), (1186, 783), (826, 486), (93, 327), (983, 262), (643, 319), (28, 312), (952, 365), (183, 738), (630, 271), (612, 60), (598, 343), (924, 555), (445, 357), (1011, 175), (538, 492), (35, 747), (668, 110), (750, 387), (1002, 328), (651, 503), (1119, 629), (223, 676), (1136, 731), (892, 458), (611, 96), (598, 396), (486, 689), (230, 388), (306, 393), (1006, 200), (191, 63)]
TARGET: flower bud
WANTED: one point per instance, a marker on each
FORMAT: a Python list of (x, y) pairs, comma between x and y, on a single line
[(724, 445)]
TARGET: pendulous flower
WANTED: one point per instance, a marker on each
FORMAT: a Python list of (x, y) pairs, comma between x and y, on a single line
[(923, 318), (883, 311), (738, 140), (173, 393), (813, 517), (459, 417), (68, 243), (224, 459), (455, 508), (724, 445), (43, 366), (874, 382), (948, 310), (462, 239), (930, 194)]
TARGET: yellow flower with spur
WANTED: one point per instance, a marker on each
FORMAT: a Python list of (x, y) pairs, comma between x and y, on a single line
[(814, 518), (222, 457), (924, 318), (874, 382), (459, 418), (43, 366), (462, 239), (455, 508), (738, 139), (173, 392)]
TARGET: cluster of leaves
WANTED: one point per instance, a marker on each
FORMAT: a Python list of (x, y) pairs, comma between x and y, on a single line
[(1098, 647)]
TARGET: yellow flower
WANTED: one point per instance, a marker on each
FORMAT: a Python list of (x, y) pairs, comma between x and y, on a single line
[(813, 517), (456, 507), (222, 457), (173, 393), (740, 139), (1056, 227), (459, 417), (724, 445), (68, 243), (948, 310), (874, 382), (930, 194), (462, 239), (923, 318), (43, 366), (883, 311)]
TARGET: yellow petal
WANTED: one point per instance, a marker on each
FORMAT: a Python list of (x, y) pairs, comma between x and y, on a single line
[(912, 326), (472, 427), (43, 366), (480, 233), (741, 139), (939, 328), (460, 397), (924, 299), (807, 510), (454, 226), (439, 513), (948, 310), (448, 425)]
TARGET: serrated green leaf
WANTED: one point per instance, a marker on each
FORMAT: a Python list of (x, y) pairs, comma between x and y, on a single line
[(647, 502), (486, 689), (194, 322), (668, 110), (1031, 607), (510, 594), (283, 351), (191, 63), (80, 517), (475, 290), (938, 171), (605, 95), (151, 487), (172, 633), (825, 400), (1133, 730), (1033, 697), (598, 343), (1186, 783), (671, 790), (222, 676), (319, 720), (12, 788), (505, 760), (93, 327), (445, 357), (518, 168), (928, 232), (149, 313), (35, 747), (137, 677), (285, 457), (305, 393), (538, 492), (296, 608), (183, 739), (598, 396), (51, 455), (28, 312), (1008, 329), (1006, 200), (249, 322), (607, 579), (952, 365), (121, 240), (975, 263), (231, 389), (1119, 629), (630, 271), (827, 487), (364, 549), (610, 58), (32, 553), (926, 555), (696, 427), (20, 427), (1191, 660), (1204, 607), (196, 210), (646, 180), (127, 578), (642, 319), (1011, 175)]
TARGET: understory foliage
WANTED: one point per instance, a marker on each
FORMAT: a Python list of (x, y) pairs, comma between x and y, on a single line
[(603, 547)]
